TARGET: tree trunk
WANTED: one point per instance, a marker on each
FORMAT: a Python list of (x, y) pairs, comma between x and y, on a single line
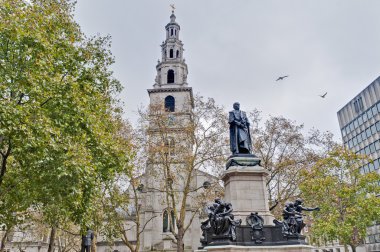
[(4, 163), (353, 248), (51, 239), (4, 239), (180, 243)]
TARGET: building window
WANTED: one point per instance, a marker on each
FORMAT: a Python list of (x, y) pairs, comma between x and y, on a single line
[(377, 145), (364, 135), (171, 53), (371, 167), (358, 105), (166, 222), (369, 114), (367, 150), (359, 137), (352, 128), (372, 147), (365, 118), (171, 76), (356, 123), (376, 163), (169, 103), (354, 141), (360, 120), (344, 132), (170, 147), (350, 144), (368, 132), (378, 126), (374, 110), (171, 32), (373, 129), (177, 54)]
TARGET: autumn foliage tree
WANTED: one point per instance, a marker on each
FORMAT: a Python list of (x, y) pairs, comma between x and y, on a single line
[(285, 150), (348, 199), (181, 147)]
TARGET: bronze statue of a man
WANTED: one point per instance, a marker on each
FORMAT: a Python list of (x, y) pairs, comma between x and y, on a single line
[(240, 138)]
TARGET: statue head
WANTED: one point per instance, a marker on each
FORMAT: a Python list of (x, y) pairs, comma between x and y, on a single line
[(298, 202), (217, 200), (236, 106)]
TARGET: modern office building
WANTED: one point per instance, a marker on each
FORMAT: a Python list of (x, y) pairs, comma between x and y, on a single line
[(359, 121)]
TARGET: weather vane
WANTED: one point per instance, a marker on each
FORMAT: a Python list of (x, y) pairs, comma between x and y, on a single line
[(173, 7)]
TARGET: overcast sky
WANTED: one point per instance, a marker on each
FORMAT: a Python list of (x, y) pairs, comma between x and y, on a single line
[(236, 49)]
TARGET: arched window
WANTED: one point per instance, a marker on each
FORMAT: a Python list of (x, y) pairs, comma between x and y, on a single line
[(171, 53), (171, 76), (171, 32), (177, 54), (166, 223), (169, 103)]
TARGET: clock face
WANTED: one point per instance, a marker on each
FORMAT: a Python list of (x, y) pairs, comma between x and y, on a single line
[(171, 119)]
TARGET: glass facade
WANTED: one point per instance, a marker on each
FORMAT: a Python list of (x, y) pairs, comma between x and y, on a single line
[(359, 121)]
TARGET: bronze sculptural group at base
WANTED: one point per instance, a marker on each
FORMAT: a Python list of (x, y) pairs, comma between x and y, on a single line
[(221, 220), (293, 217), (221, 229)]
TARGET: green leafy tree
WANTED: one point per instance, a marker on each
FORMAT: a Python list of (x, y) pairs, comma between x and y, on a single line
[(348, 200), (60, 125)]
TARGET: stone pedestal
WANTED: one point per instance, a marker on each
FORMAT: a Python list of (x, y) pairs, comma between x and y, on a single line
[(232, 248), (245, 188)]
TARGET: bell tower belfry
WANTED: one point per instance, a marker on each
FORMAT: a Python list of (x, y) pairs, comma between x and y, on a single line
[(170, 86), (172, 69)]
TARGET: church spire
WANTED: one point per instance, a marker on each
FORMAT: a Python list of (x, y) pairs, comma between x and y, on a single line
[(172, 69)]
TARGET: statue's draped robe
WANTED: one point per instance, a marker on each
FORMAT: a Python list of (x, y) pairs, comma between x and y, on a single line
[(240, 139)]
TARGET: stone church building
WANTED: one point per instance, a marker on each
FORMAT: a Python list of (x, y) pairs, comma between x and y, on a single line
[(172, 92)]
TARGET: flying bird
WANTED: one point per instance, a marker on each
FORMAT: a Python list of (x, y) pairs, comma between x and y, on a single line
[(282, 77), (324, 95)]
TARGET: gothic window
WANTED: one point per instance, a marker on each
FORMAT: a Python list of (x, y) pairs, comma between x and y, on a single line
[(177, 54), (170, 77), (166, 223), (171, 53), (169, 103)]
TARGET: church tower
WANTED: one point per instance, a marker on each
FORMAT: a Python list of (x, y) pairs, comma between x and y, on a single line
[(172, 69), (170, 87), (173, 98)]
